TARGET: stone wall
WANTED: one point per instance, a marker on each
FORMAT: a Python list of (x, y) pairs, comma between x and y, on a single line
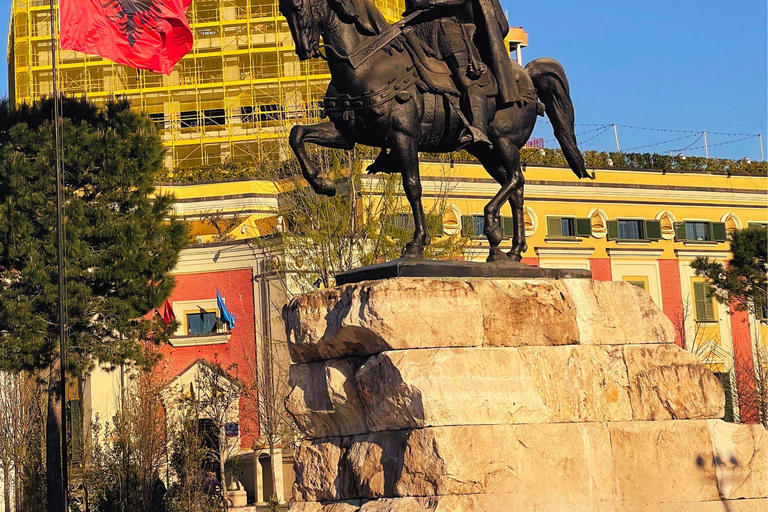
[(508, 395)]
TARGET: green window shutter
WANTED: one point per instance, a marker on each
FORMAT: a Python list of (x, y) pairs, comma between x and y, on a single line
[(704, 303), (613, 230), (680, 231), (710, 303), (467, 226), (583, 227), (718, 232), (508, 226), (652, 229), (700, 300), (554, 227)]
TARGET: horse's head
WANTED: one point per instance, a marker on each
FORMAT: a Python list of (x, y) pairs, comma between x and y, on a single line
[(308, 18), (304, 18)]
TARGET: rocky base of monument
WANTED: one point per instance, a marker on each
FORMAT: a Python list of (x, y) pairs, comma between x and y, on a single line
[(470, 395)]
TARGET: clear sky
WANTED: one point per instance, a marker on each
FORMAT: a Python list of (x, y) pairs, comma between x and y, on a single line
[(673, 64)]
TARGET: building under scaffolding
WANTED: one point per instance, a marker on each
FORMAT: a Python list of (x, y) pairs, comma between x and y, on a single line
[(234, 96)]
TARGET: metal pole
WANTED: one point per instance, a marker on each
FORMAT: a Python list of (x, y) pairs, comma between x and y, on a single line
[(616, 136), (61, 264), (706, 146), (762, 155)]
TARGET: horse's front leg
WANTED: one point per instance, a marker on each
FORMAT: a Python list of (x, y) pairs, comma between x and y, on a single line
[(519, 243), (325, 135), (503, 163), (405, 149)]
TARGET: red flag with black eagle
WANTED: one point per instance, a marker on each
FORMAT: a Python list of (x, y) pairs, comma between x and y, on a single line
[(145, 34)]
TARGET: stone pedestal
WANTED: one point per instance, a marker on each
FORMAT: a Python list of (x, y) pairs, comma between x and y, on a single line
[(480, 395)]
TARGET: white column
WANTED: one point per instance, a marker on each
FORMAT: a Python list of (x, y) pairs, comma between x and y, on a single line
[(258, 478)]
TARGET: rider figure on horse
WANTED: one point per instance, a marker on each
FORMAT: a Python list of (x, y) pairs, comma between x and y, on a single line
[(452, 26)]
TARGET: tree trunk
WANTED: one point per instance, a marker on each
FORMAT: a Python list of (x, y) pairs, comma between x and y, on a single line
[(17, 490), (273, 472), (53, 446), (7, 486)]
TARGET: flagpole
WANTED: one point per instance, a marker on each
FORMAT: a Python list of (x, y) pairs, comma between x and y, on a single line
[(62, 278)]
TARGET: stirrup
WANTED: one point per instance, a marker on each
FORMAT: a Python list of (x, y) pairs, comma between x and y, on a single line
[(479, 137)]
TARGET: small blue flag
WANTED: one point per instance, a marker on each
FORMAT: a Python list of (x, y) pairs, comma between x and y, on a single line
[(226, 316)]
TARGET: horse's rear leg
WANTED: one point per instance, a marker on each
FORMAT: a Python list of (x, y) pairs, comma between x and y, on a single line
[(503, 164), (325, 135), (405, 150)]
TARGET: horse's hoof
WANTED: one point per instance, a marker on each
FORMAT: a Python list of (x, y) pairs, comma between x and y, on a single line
[(496, 254), (323, 186), (494, 235), (517, 254), (413, 251)]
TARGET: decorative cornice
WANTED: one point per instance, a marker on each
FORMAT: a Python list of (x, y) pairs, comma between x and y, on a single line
[(191, 341), (707, 253), (634, 253), (217, 257), (564, 252)]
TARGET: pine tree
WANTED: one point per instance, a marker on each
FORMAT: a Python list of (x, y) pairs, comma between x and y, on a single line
[(120, 245), (743, 281)]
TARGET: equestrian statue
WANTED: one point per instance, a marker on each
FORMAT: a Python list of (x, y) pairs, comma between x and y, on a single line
[(438, 80)]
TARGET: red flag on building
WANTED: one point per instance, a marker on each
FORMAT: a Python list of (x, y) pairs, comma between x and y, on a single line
[(145, 34), (168, 315)]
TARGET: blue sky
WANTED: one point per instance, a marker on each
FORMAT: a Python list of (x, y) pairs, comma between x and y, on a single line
[(662, 64), (674, 64)]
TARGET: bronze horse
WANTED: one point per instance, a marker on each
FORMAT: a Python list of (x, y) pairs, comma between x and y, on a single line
[(378, 98)]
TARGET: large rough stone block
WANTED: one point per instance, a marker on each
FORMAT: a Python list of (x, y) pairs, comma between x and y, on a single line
[(580, 383), (370, 317), (666, 382), (509, 503), (319, 475), (484, 386), (515, 459), (435, 387), (738, 452), (617, 313), (323, 399), (579, 465)]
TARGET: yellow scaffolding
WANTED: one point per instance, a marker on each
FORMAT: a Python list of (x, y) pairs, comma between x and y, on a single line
[(233, 96)]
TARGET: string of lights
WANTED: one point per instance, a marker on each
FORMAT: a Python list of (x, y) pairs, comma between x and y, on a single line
[(689, 146), (726, 142), (606, 126), (662, 142), (655, 129), (668, 130), (602, 129), (545, 120), (605, 130)]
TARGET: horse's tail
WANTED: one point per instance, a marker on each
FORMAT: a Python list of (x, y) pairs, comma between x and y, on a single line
[(552, 87)]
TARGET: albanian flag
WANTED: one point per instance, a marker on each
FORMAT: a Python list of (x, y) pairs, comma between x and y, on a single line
[(145, 34)]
